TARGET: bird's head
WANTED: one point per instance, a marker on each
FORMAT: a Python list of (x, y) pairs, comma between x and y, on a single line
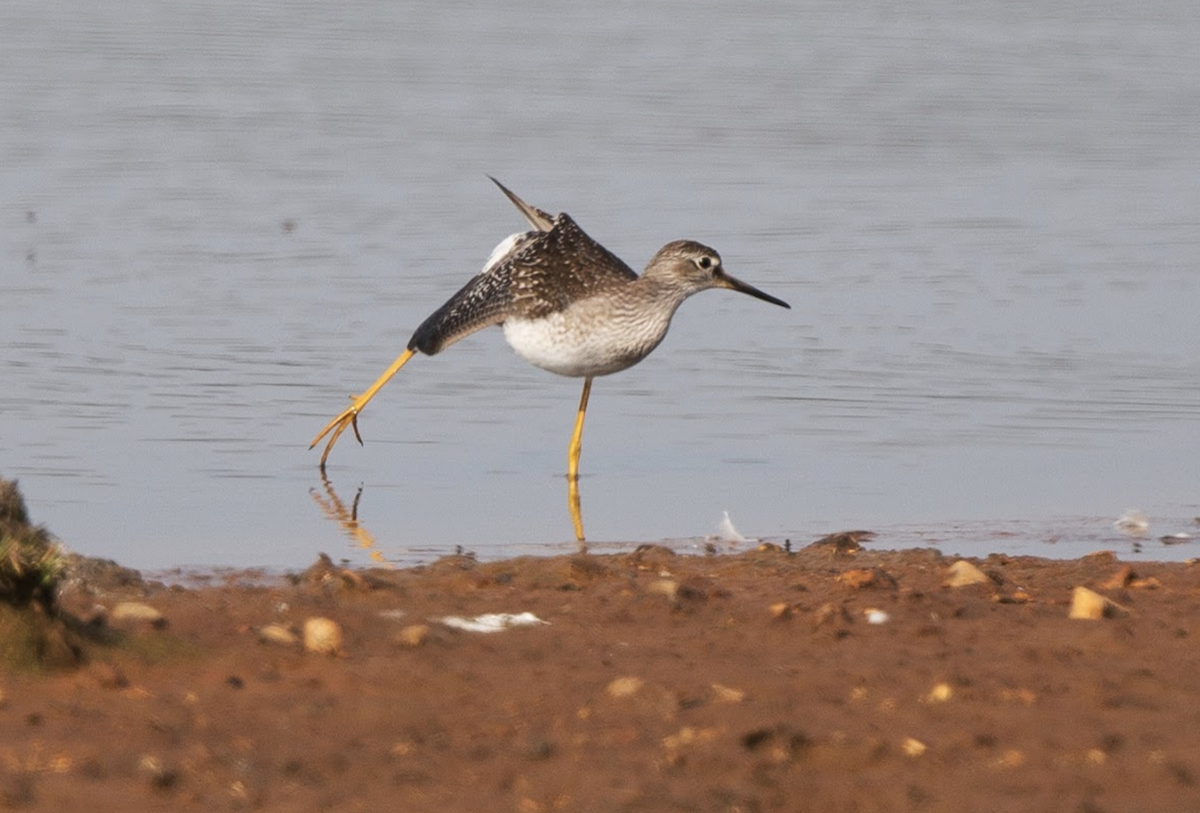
[(690, 267)]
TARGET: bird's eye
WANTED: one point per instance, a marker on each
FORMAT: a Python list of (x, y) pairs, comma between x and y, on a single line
[(705, 263)]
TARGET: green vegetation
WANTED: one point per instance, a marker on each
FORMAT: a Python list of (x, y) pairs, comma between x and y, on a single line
[(31, 564)]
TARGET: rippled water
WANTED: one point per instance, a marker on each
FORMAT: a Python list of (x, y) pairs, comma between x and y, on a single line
[(219, 219)]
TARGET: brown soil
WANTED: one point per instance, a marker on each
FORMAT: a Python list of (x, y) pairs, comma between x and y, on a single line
[(754, 682)]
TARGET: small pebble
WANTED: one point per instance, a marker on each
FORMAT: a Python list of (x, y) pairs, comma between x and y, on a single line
[(725, 694), (962, 573), (664, 587), (939, 693), (624, 687), (413, 635), (1089, 605), (875, 616), (277, 634), (323, 636)]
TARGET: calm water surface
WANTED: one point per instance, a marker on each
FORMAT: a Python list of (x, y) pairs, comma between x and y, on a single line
[(218, 219)]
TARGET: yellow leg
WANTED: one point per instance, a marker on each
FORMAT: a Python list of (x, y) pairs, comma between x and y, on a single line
[(349, 416), (577, 436), (573, 453)]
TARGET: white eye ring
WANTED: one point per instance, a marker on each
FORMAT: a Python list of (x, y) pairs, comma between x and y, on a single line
[(705, 263)]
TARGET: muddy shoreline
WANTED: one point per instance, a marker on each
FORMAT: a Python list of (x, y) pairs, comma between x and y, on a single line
[(829, 678)]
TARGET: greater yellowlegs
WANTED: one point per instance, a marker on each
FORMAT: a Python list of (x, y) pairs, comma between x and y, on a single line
[(567, 305)]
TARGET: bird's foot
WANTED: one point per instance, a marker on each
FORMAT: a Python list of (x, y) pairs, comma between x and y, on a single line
[(347, 418)]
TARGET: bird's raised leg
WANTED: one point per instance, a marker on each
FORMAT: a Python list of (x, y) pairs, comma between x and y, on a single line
[(573, 453), (349, 416)]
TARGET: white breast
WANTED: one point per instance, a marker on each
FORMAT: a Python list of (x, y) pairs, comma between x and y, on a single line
[(579, 342)]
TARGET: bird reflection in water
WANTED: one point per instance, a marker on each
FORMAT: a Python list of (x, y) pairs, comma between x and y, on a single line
[(334, 508)]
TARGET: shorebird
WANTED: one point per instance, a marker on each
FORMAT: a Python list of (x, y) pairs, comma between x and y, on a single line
[(566, 304)]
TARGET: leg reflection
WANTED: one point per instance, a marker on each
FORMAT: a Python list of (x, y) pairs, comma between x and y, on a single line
[(331, 506), (576, 512)]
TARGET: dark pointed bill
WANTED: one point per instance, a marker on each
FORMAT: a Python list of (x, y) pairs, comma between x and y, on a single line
[(735, 284)]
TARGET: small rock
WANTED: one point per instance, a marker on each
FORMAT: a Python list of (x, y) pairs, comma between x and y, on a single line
[(1090, 605), (413, 635), (624, 687), (781, 610), (664, 587), (277, 634), (876, 616), (725, 694), (939, 693), (1087, 604), (844, 542), (324, 573), (137, 612), (323, 636), (962, 573), (913, 747)]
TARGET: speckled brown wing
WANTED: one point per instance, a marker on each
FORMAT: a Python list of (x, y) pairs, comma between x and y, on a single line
[(543, 273), (484, 301), (562, 266)]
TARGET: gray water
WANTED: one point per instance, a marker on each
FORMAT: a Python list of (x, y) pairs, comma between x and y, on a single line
[(219, 218)]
